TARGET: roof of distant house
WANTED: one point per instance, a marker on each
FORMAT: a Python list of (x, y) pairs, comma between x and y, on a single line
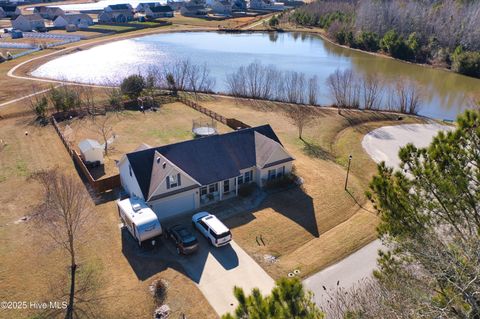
[(31, 17), (161, 9), (120, 6), (8, 7), (209, 159)]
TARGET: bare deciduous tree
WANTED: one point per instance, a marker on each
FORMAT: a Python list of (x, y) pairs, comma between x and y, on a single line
[(372, 89), (64, 216), (103, 125), (408, 96), (300, 116)]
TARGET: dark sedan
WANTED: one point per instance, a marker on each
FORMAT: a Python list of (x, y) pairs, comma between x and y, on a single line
[(184, 240)]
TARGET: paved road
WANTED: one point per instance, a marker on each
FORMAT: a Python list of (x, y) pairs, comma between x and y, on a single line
[(217, 270), (384, 143), (347, 272), (381, 144)]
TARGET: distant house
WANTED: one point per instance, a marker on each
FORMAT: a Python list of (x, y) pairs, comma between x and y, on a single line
[(79, 20), (239, 5), (11, 11), (175, 5), (29, 22), (269, 5), (194, 8), (177, 178), (50, 13), (159, 12), (223, 7), (143, 6), (117, 13)]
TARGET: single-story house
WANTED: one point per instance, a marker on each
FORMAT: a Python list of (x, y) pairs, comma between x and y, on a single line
[(50, 13), (117, 13), (144, 5), (79, 20), (11, 11), (192, 9), (159, 12), (176, 5), (239, 5), (91, 151), (29, 22), (269, 5), (185, 176), (222, 7)]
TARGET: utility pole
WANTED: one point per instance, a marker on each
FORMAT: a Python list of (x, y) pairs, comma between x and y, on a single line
[(348, 171)]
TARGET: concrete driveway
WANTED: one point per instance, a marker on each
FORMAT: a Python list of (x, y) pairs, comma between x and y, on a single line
[(217, 270)]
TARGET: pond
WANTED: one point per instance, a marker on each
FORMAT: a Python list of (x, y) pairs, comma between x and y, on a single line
[(446, 94)]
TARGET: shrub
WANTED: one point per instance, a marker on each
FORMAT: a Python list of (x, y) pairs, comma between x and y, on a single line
[(133, 86), (467, 63), (246, 190), (40, 107), (281, 182), (64, 98), (274, 22)]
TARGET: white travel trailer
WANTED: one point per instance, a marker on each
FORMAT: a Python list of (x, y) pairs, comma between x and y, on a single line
[(139, 219)]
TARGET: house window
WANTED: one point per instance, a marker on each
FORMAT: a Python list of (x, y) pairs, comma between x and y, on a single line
[(271, 174), (173, 181), (226, 186), (240, 180), (203, 191), (248, 176), (213, 188), (280, 172), (130, 170)]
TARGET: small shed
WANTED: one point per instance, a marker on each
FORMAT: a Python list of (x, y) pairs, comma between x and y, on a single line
[(91, 151)]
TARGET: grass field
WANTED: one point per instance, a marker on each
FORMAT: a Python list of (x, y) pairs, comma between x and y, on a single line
[(116, 28), (171, 123), (31, 268), (311, 227)]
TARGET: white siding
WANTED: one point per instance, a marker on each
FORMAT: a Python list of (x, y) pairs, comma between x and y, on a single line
[(262, 174), (129, 183), (278, 155)]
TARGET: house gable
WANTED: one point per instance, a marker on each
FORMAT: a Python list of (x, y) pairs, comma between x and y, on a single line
[(269, 151), (162, 170), (128, 179)]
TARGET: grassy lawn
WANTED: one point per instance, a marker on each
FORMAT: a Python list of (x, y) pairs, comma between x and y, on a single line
[(201, 22), (116, 28), (311, 227), (30, 267), (171, 123)]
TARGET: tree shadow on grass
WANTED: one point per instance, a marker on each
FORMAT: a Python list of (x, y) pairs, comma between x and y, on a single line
[(316, 151)]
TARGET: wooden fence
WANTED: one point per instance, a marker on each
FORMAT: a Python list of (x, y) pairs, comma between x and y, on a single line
[(98, 185), (230, 122)]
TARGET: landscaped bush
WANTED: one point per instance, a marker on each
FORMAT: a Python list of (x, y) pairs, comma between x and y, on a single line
[(133, 86), (281, 182), (246, 190)]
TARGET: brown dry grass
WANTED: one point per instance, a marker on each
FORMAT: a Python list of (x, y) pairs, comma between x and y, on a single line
[(29, 265), (170, 124), (311, 228)]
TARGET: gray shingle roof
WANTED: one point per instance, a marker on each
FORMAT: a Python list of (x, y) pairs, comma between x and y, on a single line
[(207, 160)]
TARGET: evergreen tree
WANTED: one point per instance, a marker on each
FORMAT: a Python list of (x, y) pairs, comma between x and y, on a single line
[(288, 300)]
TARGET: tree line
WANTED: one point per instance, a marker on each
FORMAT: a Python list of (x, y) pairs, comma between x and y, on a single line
[(437, 32)]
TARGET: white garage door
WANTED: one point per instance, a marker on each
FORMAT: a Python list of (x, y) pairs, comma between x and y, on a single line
[(171, 207)]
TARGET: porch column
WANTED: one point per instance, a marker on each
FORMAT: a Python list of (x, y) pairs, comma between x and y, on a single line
[(220, 189), (236, 186)]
